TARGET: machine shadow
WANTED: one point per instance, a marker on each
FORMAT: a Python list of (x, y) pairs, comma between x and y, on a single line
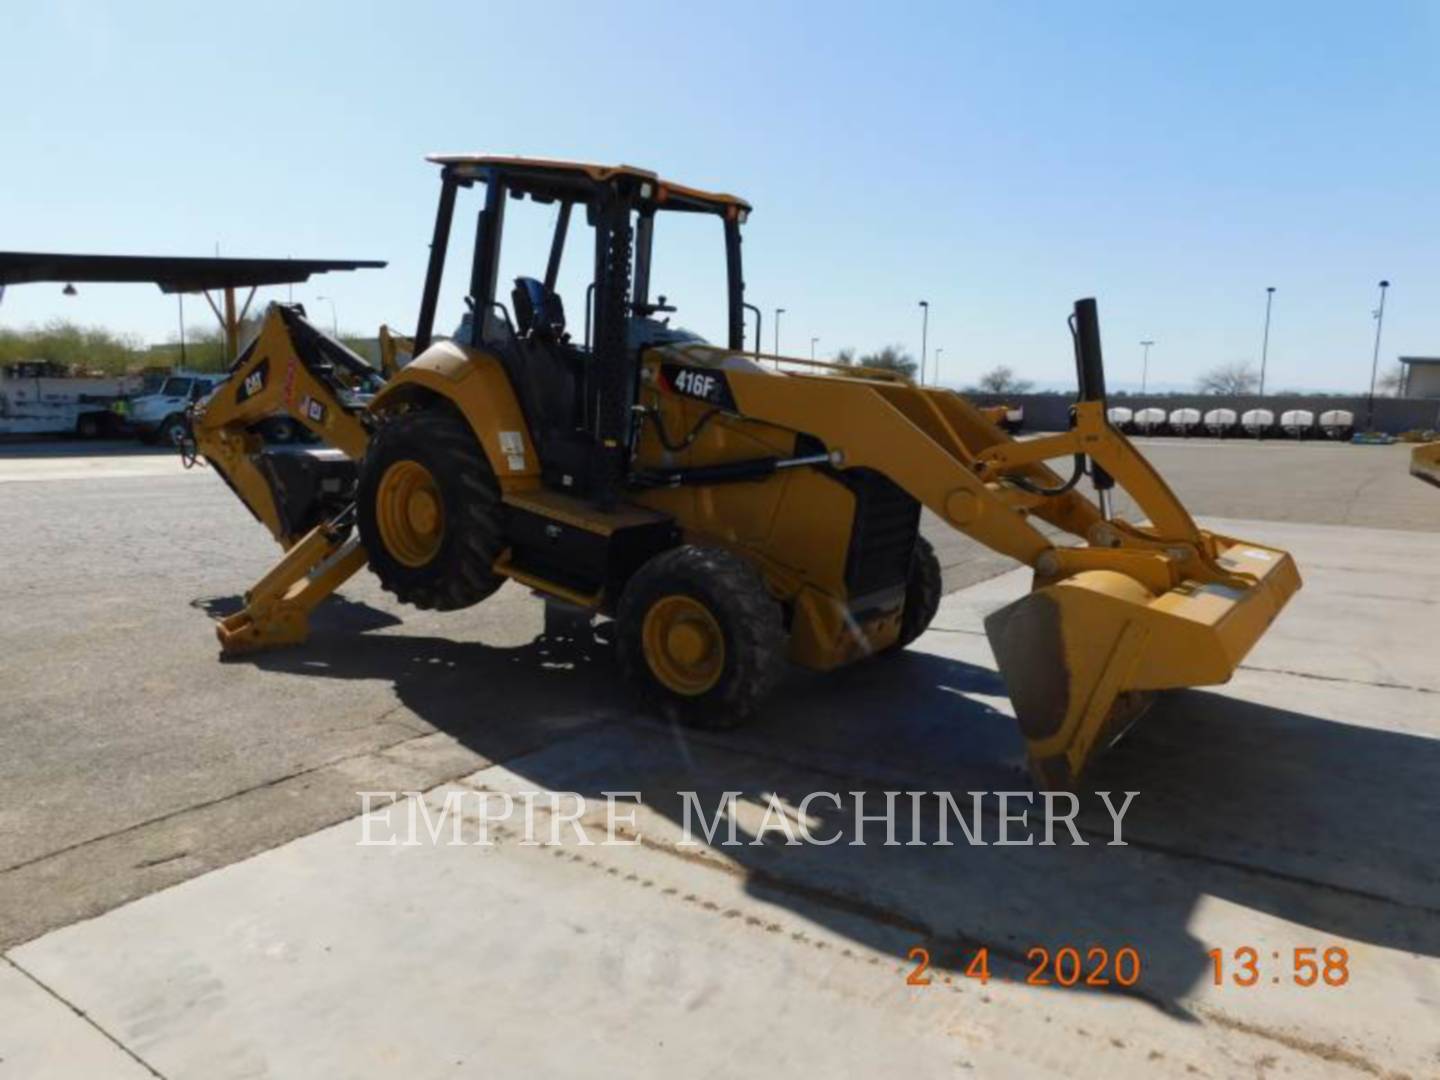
[(1281, 813), (340, 615)]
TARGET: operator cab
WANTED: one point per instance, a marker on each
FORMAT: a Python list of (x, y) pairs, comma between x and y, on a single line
[(576, 385)]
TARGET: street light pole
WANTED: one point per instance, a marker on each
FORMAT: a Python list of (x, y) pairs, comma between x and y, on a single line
[(334, 320), (181, 297), (935, 375), (1145, 366), (1375, 360), (1265, 343), (778, 312), (924, 334), (813, 340)]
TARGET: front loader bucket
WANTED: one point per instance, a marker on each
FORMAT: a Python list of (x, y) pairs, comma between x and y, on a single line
[(1082, 658), (1425, 463)]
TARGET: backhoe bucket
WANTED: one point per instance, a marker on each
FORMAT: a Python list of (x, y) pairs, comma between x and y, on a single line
[(1082, 658), (1425, 463)]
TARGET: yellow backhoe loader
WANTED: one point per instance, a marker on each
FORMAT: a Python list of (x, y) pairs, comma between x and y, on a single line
[(729, 512)]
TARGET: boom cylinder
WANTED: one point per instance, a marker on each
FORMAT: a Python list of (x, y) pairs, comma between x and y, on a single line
[(1090, 371)]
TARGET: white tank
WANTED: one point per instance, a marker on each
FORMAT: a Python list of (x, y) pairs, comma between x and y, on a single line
[(1120, 416), (1148, 420), (1184, 421), (1337, 423), (1220, 421), (1257, 420), (1297, 422)]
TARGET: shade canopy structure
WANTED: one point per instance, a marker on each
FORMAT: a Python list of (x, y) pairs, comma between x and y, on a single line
[(172, 274), (175, 274)]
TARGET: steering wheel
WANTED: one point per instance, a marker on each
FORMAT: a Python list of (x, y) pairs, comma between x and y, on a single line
[(646, 310)]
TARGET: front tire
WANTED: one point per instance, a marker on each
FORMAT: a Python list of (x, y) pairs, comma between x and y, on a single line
[(701, 637), (923, 589), (429, 512), (173, 431)]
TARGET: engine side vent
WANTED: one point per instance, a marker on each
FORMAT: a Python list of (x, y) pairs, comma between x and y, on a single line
[(882, 541)]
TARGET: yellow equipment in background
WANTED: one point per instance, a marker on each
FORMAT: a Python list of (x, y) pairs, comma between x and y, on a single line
[(729, 512), (1425, 462)]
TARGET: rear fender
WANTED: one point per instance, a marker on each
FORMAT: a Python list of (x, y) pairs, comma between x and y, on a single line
[(475, 383)]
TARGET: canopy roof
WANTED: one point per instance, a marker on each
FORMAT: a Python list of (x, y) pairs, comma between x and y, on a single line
[(182, 274), (547, 179)]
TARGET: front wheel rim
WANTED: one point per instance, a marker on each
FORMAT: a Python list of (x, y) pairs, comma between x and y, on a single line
[(684, 645)]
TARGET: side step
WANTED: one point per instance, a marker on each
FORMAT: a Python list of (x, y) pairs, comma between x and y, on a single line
[(569, 548)]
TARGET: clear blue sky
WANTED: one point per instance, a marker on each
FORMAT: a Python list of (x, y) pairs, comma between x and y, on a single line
[(999, 160)]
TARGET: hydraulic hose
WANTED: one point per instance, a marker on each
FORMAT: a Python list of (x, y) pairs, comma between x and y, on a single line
[(1049, 492)]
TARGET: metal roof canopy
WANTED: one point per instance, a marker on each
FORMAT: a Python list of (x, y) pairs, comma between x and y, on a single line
[(172, 274), (545, 179), (175, 274)]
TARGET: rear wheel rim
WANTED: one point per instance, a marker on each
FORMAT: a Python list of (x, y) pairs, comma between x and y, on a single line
[(410, 513), (684, 645)]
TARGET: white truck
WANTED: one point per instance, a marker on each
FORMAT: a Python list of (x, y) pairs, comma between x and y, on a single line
[(38, 397), (160, 416)]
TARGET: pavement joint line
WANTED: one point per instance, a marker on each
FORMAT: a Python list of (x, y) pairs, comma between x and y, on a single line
[(834, 900), (1379, 685), (1332, 1053), (939, 944), (199, 806), (379, 751), (83, 1015), (1147, 845)]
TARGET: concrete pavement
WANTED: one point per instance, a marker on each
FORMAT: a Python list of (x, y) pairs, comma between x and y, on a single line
[(1287, 810)]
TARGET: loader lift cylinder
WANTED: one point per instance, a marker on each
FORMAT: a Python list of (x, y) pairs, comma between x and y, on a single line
[(1090, 371)]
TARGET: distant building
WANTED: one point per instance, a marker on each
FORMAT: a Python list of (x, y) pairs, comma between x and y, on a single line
[(1422, 377)]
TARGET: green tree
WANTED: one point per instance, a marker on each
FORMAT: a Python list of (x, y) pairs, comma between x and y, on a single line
[(890, 358), (80, 348)]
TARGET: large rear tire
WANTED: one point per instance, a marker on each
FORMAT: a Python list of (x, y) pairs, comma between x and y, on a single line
[(429, 512), (701, 637)]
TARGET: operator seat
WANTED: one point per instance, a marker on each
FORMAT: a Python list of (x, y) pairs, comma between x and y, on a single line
[(554, 375), (539, 312)]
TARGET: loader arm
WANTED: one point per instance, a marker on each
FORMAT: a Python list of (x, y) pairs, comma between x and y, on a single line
[(1124, 610)]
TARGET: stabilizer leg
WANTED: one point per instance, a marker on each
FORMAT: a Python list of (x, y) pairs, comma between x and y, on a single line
[(277, 610)]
